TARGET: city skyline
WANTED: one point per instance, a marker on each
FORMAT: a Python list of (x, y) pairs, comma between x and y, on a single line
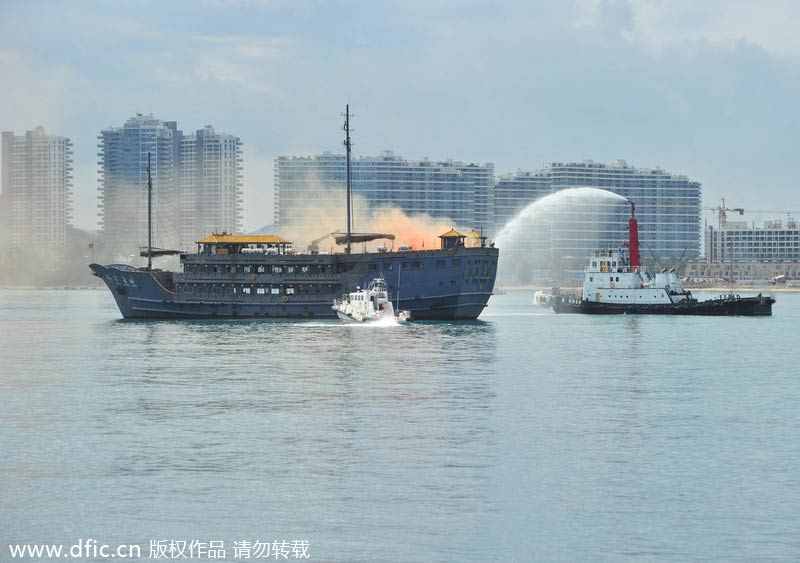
[(185, 174), (706, 90), (192, 223), (196, 180)]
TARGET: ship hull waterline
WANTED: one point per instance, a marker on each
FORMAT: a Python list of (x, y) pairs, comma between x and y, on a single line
[(738, 306)]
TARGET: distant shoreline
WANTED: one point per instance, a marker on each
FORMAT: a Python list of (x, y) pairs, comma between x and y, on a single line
[(706, 289)]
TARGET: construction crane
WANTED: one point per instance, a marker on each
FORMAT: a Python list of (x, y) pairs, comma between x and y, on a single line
[(722, 210), (721, 251)]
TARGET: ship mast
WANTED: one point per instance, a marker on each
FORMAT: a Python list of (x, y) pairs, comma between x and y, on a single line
[(149, 216), (348, 144)]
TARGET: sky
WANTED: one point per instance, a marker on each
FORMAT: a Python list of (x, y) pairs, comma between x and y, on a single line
[(708, 89)]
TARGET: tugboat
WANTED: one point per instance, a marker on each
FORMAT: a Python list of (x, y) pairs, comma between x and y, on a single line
[(370, 304), (615, 283)]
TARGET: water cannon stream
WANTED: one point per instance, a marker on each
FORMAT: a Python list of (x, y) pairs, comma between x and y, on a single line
[(529, 240)]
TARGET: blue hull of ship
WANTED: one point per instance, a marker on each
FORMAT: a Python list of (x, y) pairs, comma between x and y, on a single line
[(430, 292)]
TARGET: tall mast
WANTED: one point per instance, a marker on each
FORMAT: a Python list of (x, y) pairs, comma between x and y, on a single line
[(149, 216), (348, 145)]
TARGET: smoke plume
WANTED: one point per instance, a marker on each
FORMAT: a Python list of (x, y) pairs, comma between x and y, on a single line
[(303, 223)]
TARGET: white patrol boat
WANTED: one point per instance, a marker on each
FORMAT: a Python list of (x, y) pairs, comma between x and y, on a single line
[(370, 304), (616, 283)]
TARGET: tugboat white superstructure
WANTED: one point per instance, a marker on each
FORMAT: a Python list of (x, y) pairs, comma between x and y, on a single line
[(366, 305), (610, 278), (615, 283)]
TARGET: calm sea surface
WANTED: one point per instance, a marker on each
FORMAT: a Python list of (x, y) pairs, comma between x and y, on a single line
[(524, 436)]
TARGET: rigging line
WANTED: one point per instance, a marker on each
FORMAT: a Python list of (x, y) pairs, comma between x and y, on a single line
[(126, 230), (405, 242), (158, 216), (352, 191)]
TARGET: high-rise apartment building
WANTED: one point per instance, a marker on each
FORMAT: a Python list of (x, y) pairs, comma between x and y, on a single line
[(462, 192), (123, 183), (36, 184), (196, 184), (210, 184), (668, 207)]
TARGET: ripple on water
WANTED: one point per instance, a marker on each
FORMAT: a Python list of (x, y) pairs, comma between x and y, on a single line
[(523, 436)]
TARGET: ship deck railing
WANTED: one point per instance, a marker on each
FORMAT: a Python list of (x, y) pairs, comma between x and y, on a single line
[(250, 257)]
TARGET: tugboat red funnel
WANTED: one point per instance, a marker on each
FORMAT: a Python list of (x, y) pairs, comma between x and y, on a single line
[(633, 238)]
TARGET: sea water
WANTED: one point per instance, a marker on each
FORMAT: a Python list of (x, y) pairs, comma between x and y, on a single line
[(523, 436)]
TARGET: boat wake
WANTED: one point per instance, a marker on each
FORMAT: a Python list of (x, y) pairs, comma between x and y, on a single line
[(382, 322)]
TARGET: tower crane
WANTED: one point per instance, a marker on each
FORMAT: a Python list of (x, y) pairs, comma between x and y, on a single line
[(717, 252), (722, 210)]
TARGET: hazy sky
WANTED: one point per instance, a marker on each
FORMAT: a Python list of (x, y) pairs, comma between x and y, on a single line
[(709, 89)]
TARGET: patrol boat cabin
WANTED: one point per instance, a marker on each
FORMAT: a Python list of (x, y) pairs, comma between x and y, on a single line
[(365, 305)]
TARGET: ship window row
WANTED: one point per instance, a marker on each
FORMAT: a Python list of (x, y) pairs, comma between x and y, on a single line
[(419, 265), (477, 271), (253, 289), (256, 269), (373, 267), (477, 281), (611, 278)]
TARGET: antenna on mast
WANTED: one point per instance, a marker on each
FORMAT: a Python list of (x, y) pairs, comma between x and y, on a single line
[(348, 144), (149, 216)]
